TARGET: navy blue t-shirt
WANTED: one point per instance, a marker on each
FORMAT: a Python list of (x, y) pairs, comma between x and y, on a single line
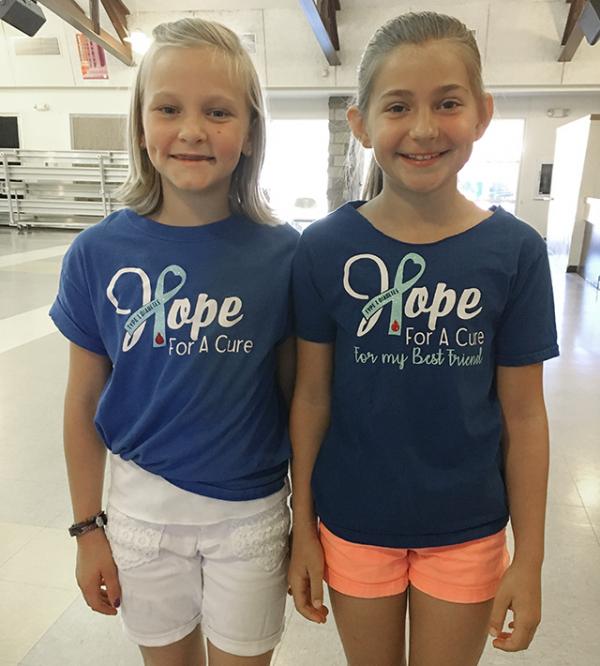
[(189, 317), (412, 456)]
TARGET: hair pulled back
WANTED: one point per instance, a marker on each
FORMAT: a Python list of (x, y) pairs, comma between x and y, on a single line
[(411, 28)]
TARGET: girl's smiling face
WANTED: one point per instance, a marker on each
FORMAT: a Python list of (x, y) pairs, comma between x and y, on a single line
[(196, 121), (423, 117)]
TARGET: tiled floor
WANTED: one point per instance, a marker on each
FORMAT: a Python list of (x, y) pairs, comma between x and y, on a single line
[(43, 620)]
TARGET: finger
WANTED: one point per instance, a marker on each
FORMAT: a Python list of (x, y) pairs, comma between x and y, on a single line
[(97, 601), (498, 616), (302, 601), (97, 596), (519, 639), (316, 587), (316, 593), (110, 579)]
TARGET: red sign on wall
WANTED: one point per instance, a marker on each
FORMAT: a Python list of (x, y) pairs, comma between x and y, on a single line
[(92, 58)]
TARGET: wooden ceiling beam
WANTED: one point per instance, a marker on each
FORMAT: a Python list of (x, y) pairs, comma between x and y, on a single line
[(323, 21), (573, 42), (95, 15), (71, 12), (118, 16), (573, 34), (574, 13)]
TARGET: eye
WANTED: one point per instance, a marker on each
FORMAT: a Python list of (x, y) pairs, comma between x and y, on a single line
[(220, 114), (397, 108), (167, 110), (450, 104)]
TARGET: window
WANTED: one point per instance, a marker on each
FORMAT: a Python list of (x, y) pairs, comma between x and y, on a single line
[(491, 176), (295, 170)]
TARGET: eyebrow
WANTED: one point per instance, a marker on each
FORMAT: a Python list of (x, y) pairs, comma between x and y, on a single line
[(214, 99), (407, 93)]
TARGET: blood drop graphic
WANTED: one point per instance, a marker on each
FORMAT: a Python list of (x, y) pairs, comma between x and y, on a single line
[(395, 326), (159, 339)]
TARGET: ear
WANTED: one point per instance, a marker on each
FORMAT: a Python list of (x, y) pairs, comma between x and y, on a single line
[(485, 115), (358, 126), (142, 141), (247, 145)]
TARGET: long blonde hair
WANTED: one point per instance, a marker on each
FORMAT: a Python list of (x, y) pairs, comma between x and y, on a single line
[(142, 190), (410, 28)]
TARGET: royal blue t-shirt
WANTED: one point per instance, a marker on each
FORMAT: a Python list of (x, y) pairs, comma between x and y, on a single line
[(190, 318), (412, 456)]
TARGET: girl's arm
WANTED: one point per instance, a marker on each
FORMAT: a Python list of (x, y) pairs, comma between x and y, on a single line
[(526, 452), (309, 421), (85, 455)]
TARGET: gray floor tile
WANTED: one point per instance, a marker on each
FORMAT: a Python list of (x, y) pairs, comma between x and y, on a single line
[(81, 637)]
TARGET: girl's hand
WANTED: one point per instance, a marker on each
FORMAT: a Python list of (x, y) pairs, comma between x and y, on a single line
[(521, 592), (96, 573), (305, 575)]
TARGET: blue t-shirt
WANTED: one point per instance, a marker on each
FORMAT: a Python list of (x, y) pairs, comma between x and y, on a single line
[(412, 456), (189, 317)]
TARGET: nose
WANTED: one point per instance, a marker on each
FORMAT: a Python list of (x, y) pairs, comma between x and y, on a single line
[(192, 128), (424, 126)]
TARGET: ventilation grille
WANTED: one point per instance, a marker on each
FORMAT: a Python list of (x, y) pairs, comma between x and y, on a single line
[(90, 132), (36, 46)]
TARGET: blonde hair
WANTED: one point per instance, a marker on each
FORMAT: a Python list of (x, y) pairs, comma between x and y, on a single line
[(411, 28), (142, 190)]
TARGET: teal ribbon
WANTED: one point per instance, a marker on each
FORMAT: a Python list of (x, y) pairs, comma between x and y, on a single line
[(156, 307), (395, 294)]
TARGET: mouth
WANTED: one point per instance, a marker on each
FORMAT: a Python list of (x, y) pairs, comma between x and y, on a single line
[(184, 157), (423, 158)]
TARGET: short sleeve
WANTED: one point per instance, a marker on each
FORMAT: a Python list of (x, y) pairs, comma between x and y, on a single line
[(527, 331), (312, 319), (73, 311)]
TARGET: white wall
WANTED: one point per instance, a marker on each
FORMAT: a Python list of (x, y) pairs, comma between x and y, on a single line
[(590, 187), (51, 130), (538, 145)]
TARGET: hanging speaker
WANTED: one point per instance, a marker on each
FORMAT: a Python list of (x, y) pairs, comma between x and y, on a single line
[(24, 15), (589, 21)]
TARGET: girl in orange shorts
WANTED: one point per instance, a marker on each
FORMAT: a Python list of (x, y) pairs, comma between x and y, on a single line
[(418, 419)]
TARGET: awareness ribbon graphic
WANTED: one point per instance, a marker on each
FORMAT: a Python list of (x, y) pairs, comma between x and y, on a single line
[(395, 294), (156, 306)]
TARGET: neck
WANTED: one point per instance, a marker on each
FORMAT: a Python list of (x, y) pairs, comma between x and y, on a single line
[(422, 218), (192, 209), (442, 208)]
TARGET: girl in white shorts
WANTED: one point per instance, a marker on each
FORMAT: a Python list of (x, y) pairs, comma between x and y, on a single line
[(181, 359)]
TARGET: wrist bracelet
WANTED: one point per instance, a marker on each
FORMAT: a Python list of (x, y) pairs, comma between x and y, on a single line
[(93, 523)]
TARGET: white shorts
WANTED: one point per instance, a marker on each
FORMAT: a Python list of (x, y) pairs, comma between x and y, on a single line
[(229, 578)]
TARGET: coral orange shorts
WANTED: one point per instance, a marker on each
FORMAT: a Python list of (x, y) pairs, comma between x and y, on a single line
[(464, 573)]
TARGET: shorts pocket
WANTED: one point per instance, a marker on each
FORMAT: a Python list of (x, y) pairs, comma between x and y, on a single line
[(262, 538), (132, 542)]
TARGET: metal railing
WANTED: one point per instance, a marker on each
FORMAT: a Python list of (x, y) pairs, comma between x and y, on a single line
[(65, 189)]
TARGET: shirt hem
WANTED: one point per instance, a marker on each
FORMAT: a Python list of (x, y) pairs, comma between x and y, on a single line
[(232, 495), (416, 540), (69, 331)]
